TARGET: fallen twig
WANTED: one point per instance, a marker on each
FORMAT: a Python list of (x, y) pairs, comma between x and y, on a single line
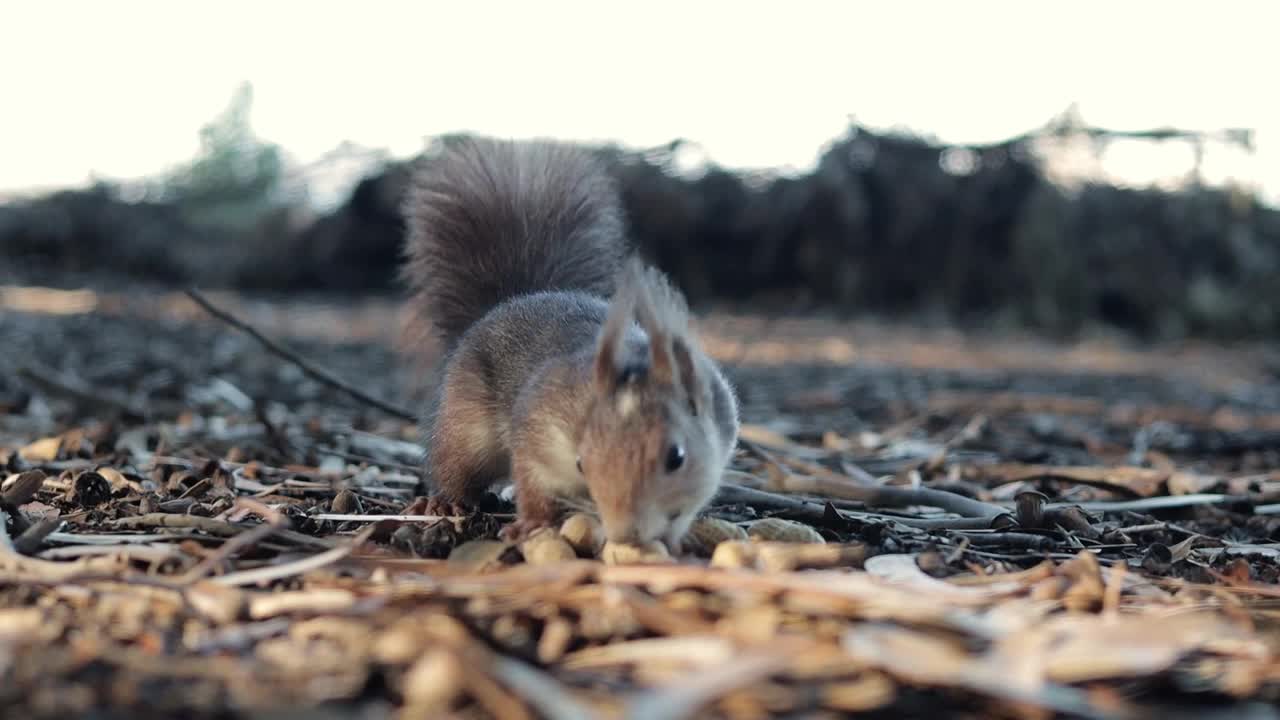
[(943, 499), (167, 520), (284, 570), (303, 364), (274, 522), (541, 691), (369, 459), (1154, 503), (832, 484), (339, 517), (146, 553), (34, 536), (82, 393)]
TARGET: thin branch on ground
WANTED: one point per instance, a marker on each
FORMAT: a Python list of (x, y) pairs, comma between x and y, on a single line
[(302, 363)]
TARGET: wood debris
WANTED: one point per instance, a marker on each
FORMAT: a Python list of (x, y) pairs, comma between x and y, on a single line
[(877, 548)]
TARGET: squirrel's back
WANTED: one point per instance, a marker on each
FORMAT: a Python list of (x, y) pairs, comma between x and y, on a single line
[(489, 220)]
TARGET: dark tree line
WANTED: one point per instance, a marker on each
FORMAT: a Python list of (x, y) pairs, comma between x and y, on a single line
[(883, 224)]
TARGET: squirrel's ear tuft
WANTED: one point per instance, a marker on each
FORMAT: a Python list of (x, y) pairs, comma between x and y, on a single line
[(612, 366), (691, 381), (661, 362)]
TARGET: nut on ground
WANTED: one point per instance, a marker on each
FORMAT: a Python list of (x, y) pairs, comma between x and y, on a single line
[(584, 533), (546, 546), (707, 533), (779, 530), (479, 554), (734, 554), (786, 556), (434, 681), (620, 554)]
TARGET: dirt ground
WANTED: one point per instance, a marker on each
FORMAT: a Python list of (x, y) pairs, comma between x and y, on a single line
[(919, 523)]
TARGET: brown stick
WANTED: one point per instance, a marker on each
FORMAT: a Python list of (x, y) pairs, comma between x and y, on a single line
[(303, 364), (835, 485), (274, 521), (271, 573), (80, 392)]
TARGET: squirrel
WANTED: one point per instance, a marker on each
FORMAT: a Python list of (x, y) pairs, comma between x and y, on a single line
[(569, 366)]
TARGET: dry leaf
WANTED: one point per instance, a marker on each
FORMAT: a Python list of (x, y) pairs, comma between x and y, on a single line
[(1142, 482), (903, 570), (1187, 483), (43, 450)]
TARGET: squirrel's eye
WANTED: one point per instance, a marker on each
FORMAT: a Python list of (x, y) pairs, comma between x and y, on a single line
[(579, 463), (675, 458)]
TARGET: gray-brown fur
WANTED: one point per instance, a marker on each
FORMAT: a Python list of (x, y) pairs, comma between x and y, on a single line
[(545, 368), (652, 394), (488, 220), (498, 359)]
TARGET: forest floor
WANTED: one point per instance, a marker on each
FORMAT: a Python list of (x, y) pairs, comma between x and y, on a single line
[(918, 523)]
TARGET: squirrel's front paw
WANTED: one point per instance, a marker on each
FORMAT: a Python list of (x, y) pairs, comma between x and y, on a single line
[(439, 506), (519, 530)]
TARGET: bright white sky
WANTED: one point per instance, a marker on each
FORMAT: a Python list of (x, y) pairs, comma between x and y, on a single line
[(119, 88)]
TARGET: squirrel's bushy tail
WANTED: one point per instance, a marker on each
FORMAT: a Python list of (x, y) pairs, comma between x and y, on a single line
[(489, 220)]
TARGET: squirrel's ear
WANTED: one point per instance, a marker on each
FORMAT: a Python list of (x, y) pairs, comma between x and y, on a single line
[(661, 361), (690, 381), (611, 360)]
